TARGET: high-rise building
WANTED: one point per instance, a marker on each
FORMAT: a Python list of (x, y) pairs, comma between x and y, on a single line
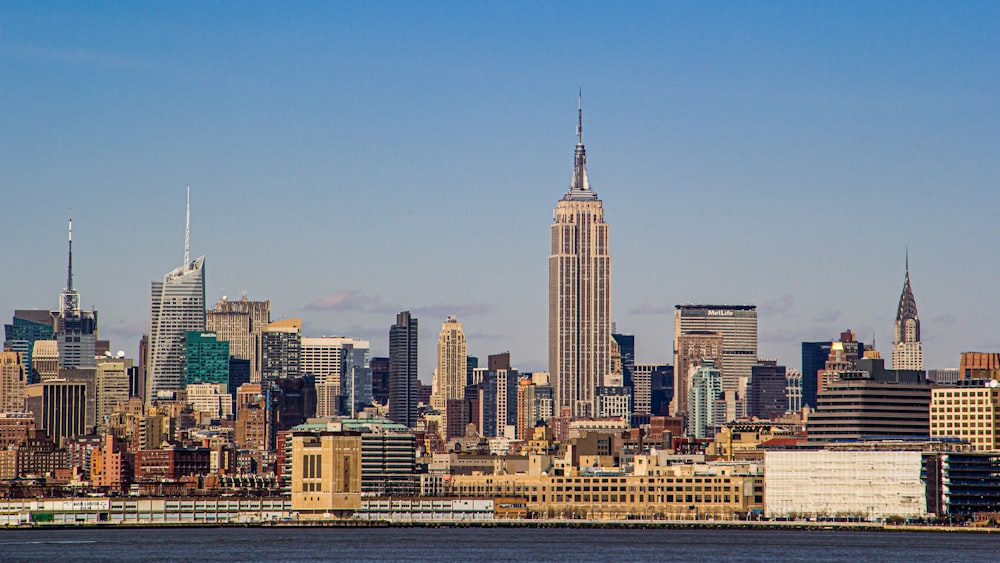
[(705, 389), (690, 349), (843, 356), (13, 378), (20, 335), (906, 351), (342, 371), (626, 350), (45, 359), (970, 412), (814, 356), (281, 350), (177, 306), (793, 390), (654, 389), (111, 385), (207, 358), (579, 292), (380, 380), (240, 323), (767, 392), (59, 407), (452, 366), (737, 324), (871, 401), (75, 330), (403, 380)]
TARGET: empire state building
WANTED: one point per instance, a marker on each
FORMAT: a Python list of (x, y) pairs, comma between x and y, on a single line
[(579, 292)]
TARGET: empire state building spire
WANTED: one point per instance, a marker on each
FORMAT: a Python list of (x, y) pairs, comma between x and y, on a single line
[(579, 187)]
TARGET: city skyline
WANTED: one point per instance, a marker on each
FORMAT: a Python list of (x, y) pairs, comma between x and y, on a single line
[(810, 160)]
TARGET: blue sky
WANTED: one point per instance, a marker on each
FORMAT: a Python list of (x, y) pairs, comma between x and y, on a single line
[(349, 160)]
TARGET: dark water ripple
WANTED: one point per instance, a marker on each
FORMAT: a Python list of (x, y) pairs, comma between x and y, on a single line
[(493, 544)]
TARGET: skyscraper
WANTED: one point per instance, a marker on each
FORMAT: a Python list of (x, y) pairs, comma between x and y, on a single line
[(403, 380), (906, 351), (240, 324), (177, 306), (579, 292), (75, 330), (281, 350), (738, 326), (452, 365)]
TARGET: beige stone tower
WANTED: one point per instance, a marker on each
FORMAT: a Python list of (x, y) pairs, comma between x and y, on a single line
[(449, 377), (579, 292)]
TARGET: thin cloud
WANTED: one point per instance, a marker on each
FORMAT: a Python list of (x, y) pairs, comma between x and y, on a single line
[(945, 319), (79, 57), (778, 307), (462, 310), (477, 335), (347, 300), (647, 309), (827, 316)]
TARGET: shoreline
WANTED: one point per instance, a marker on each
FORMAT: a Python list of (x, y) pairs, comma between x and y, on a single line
[(538, 524)]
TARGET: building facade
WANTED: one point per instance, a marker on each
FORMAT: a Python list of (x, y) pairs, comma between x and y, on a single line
[(403, 380), (177, 306), (579, 292), (281, 350), (452, 365), (969, 412), (737, 324), (906, 350), (240, 323)]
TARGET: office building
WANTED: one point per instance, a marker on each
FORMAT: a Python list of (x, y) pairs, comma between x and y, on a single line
[(906, 351), (614, 402), (814, 356), (207, 358), (766, 393), (111, 385), (210, 400), (793, 390), (706, 388), (403, 382), (579, 292), (45, 359), (452, 365), (626, 353), (20, 335), (690, 350), (380, 380), (659, 380), (13, 378), (737, 324), (825, 483), (979, 365), (843, 356), (281, 350), (969, 412), (872, 402), (240, 323), (74, 329), (59, 408), (177, 307)]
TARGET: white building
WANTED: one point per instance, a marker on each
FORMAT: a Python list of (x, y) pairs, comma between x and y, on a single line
[(829, 483), (210, 399), (341, 368), (177, 306)]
